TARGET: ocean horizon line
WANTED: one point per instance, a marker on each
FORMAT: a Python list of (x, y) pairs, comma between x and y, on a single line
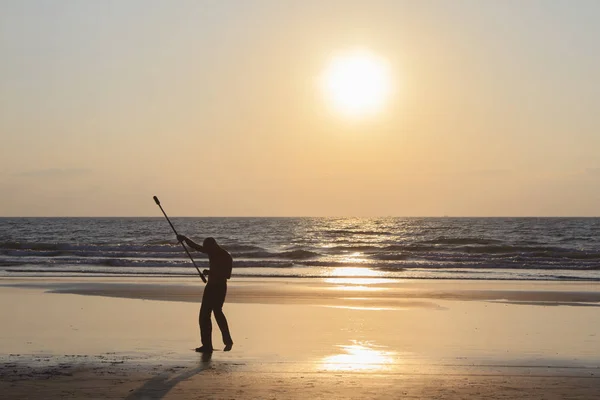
[(315, 216)]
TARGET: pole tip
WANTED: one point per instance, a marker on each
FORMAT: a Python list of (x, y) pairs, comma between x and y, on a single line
[(156, 200)]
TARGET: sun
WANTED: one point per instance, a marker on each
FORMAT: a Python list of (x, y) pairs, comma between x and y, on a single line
[(357, 83)]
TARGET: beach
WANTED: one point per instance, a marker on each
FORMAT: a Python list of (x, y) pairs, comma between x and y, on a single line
[(300, 338)]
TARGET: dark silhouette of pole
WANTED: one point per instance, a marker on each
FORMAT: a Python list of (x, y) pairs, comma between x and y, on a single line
[(175, 231)]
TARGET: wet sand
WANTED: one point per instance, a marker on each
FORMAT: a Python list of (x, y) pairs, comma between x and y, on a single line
[(125, 338)]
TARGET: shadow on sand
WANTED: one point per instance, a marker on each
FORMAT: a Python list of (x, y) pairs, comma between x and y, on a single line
[(159, 386)]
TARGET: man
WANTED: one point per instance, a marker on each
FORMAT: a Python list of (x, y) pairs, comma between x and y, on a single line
[(220, 264)]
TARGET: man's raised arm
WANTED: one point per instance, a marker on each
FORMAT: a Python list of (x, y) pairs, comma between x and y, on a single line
[(191, 243)]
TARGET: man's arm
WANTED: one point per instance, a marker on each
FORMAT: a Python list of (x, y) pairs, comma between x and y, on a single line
[(191, 243)]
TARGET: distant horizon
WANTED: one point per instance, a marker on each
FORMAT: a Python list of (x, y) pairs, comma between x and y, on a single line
[(308, 216)]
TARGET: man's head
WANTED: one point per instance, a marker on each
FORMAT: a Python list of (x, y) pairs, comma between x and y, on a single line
[(210, 244)]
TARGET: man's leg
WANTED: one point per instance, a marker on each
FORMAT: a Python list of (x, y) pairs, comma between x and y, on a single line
[(220, 317), (204, 319)]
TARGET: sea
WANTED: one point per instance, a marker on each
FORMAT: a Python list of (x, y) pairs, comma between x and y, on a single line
[(550, 249)]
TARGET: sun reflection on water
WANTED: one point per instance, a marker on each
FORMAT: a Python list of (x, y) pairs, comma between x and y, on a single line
[(354, 271), (356, 288), (358, 357), (355, 276)]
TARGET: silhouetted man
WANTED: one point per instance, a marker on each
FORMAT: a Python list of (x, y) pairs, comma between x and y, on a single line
[(220, 264)]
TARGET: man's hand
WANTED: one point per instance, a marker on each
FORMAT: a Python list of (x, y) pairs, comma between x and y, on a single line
[(181, 238), (206, 272)]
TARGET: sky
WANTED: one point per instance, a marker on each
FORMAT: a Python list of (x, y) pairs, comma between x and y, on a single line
[(216, 107)]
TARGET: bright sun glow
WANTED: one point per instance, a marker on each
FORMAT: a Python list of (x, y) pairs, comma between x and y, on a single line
[(357, 83)]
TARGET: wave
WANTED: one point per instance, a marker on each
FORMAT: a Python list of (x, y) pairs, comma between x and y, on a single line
[(391, 256), (464, 240), (511, 249), (459, 245), (450, 275), (62, 272), (394, 262), (41, 246), (153, 245), (310, 259), (242, 247), (441, 252), (173, 254), (348, 232), (290, 254), (139, 263)]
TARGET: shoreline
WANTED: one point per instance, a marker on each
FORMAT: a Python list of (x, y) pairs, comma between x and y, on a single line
[(320, 290)]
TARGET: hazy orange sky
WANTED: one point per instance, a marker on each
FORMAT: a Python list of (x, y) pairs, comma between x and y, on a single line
[(215, 107)]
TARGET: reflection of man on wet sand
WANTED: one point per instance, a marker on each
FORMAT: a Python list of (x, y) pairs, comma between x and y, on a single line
[(220, 264)]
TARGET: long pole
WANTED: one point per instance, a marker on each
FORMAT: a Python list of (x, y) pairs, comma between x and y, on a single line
[(185, 248)]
